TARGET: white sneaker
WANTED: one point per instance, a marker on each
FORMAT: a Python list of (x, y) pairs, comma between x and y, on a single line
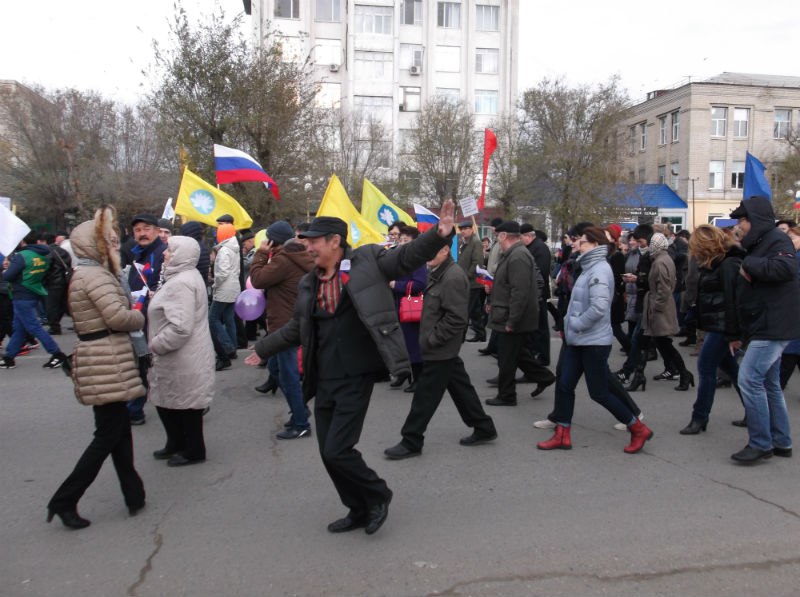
[(623, 426), (544, 424)]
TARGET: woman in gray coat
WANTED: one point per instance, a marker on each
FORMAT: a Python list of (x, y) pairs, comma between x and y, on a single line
[(588, 338), (182, 376)]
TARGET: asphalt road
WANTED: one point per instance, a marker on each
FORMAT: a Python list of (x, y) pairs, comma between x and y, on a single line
[(501, 519)]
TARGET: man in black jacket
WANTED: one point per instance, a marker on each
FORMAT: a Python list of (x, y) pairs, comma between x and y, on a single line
[(346, 320), (539, 342), (444, 321), (514, 315), (769, 317)]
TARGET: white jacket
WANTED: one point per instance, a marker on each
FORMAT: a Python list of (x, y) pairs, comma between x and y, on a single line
[(226, 271)]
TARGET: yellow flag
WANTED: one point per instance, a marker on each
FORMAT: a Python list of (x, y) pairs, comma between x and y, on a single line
[(379, 212), (337, 204), (201, 202)]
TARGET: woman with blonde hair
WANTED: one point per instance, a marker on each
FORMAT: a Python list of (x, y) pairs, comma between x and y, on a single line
[(104, 369), (718, 259)]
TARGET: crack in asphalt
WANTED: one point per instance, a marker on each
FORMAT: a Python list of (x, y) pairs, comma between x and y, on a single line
[(221, 479), (158, 541), (628, 577)]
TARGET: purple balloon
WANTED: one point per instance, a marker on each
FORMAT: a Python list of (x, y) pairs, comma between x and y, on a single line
[(250, 304)]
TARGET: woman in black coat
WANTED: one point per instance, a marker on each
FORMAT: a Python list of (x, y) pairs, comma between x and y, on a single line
[(719, 260)]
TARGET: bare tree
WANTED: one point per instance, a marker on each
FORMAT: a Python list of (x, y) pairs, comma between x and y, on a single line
[(786, 176), (568, 161), (504, 185), (443, 148)]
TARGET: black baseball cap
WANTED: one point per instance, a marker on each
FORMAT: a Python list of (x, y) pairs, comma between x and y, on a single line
[(145, 218), (322, 225)]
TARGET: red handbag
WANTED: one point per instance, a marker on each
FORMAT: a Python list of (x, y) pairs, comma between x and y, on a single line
[(410, 307)]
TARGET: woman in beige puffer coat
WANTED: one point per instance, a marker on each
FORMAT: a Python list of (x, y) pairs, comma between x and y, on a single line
[(182, 376), (104, 369)]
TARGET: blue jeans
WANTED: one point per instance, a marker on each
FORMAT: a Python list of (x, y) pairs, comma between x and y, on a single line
[(713, 355), (223, 328), (26, 319), (759, 381), (289, 383), (591, 361)]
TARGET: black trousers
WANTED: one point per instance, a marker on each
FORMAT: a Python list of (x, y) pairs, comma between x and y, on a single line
[(55, 305), (6, 317), (673, 361), (511, 354), (436, 377), (540, 337), (477, 313), (112, 435), (184, 428), (340, 406), (788, 363)]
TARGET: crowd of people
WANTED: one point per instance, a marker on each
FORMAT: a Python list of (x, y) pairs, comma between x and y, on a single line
[(155, 320)]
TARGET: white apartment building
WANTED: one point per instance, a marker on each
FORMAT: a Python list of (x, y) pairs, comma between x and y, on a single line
[(387, 58), (694, 137)]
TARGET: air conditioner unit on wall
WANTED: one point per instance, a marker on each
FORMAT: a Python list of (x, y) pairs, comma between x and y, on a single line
[(334, 68), (415, 70)]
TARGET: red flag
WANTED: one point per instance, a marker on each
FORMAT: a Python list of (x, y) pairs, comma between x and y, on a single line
[(489, 145)]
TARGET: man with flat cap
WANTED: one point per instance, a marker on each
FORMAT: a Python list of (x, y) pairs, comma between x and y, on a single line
[(346, 321), (514, 315), (144, 274)]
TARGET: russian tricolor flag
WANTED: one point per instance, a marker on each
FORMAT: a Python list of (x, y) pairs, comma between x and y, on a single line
[(426, 219), (233, 165)]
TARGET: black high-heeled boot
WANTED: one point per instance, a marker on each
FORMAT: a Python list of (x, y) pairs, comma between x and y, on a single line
[(399, 381), (687, 379), (271, 385), (693, 428), (637, 380), (70, 518)]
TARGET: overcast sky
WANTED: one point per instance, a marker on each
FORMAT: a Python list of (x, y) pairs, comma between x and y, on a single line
[(104, 45)]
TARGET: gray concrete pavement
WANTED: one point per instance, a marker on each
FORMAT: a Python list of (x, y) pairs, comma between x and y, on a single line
[(501, 519)]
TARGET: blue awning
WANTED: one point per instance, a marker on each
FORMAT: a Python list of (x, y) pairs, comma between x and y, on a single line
[(659, 196)]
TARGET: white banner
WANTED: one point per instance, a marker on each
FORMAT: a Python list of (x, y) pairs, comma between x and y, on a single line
[(12, 230)]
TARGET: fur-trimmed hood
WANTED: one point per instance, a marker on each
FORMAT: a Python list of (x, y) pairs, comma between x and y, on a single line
[(92, 239)]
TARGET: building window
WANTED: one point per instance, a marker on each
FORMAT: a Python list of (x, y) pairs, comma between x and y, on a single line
[(411, 12), (643, 136), (487, 60), (373, 65), (328, 52), (662, 174), (676, 126), (674, 174), (449, 15), (642, 177), (411, 99), (719, 121), (329, 11), (737, 175), (410, 55), (374, 108), (632, 140), (452, 95), (448, 59), (662, 130), (783, 123), (487, 18), (485, 101), (287, 9), (716, 175), (741, 116), (411, 180), (373, 19)]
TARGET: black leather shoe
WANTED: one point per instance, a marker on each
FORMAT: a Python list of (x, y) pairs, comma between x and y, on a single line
[(222, 364), (492, 381), (500, 402), (748, 455), (376, 516), (477, 339), (135, 509), (782, 452), (541, 387), (400, 380), (348, 523), (693, 428), (163, 454), (411, 388), (400, 452), (271, 385), (181, 460), (477, 439), (740, 422), (69, 518), (486, 352)]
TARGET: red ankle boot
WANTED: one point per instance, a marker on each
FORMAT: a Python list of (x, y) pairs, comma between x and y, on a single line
[(640, 433), (559, 441)]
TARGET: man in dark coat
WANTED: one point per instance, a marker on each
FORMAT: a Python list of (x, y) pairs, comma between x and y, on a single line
[(540, 337), (443, 323), (56, 282), (470, 255), (769, 317), (515, 314), (346, 321)]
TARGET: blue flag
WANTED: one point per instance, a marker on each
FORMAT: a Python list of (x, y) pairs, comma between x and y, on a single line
[(755, 183)]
